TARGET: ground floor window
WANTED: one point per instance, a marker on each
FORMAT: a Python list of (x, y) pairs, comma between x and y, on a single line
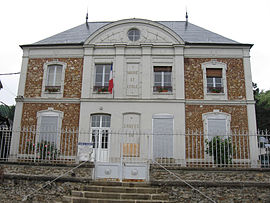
[(216, 124), (162, 136), (100, 125), (49, 126)]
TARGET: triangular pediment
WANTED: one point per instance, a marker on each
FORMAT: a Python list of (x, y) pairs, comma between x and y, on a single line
[(150, 33)]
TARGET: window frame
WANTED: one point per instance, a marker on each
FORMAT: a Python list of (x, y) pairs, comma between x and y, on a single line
[(100, 128), (53, 92), (53, 113), (102, 89), (216, 115), (133, 37), (162, 88), (214, 64)]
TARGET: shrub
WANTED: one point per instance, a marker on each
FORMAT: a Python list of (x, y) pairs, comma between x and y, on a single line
[(221, 150)]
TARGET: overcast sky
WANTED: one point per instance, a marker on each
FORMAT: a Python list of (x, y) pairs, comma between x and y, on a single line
[(28, 21)]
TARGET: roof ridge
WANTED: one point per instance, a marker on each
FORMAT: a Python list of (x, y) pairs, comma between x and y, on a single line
[(190, 34)]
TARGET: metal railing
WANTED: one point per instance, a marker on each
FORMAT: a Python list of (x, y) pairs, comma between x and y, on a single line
[(190, 149)]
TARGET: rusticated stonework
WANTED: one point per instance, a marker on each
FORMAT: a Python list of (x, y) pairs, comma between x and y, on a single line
[(73, 77), (239, 119), (194, 78), (70, 119)]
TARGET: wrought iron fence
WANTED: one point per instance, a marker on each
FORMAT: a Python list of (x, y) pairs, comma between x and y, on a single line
[(190, 149)]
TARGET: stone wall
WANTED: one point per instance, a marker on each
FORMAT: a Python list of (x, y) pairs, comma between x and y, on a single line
[(212, 174), (218, 184), (22, 179), (73, 77), (221, 193), (194, 78)]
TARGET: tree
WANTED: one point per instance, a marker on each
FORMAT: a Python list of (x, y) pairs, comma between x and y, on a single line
[(262, 107), (6, 114)]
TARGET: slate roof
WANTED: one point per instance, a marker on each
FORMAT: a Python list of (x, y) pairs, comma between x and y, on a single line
[(190, 34)]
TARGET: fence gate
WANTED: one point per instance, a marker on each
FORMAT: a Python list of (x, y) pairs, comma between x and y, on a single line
[(128, 158)]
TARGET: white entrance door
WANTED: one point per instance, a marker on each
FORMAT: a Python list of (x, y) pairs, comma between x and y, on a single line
[(100, 132), (162, 136)]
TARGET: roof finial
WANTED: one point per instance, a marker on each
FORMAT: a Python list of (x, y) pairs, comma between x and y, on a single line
[(186, 24), (87, 16), (186, 16), (86, 22)]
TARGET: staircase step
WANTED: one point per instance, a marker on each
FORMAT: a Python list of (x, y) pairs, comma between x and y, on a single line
[(112, 192), (117, 195), (119, 189), (94, 200), (122, 184)]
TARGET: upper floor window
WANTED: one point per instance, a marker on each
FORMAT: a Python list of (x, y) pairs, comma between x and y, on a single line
[(214, 80), (102, 78), (162, 79), (53, 79)]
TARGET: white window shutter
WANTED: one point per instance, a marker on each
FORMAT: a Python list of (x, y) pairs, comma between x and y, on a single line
[(163, 138), (58, 75), (216, 127), (48, 129), (50, 79)]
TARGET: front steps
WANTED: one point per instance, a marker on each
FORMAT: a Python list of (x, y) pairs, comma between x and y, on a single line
[(112, 192)]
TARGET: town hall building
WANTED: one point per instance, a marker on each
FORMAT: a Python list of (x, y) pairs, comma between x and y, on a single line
[(159, 78)]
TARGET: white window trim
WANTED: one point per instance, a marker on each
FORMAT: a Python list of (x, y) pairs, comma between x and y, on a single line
[(215, 96), (50, 112), (45, 77)]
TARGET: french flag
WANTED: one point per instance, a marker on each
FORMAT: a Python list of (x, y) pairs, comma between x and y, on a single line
[(111, 81)]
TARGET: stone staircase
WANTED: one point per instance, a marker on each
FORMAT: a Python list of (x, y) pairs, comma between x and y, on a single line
[(112, 192)]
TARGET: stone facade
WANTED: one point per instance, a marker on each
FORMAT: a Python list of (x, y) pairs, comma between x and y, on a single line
[(235, 78), (195, 145), (71, 113), (238, 114), (73, 77)]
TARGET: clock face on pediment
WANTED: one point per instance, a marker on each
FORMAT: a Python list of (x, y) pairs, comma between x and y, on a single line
[(133, 34)]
